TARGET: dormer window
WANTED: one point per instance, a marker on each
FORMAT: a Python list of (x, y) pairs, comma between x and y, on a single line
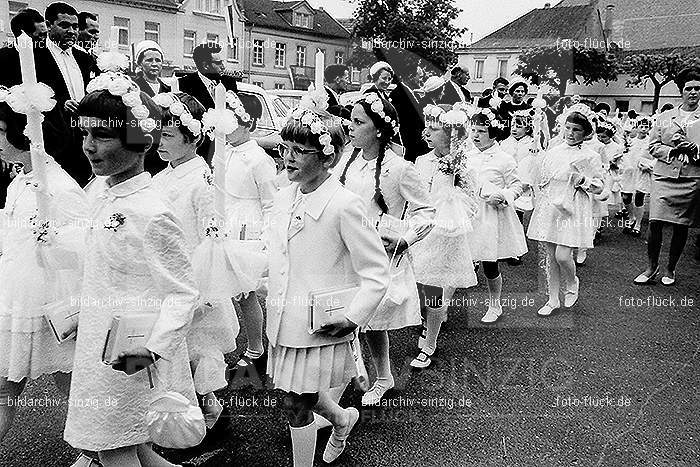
[(302, 20)]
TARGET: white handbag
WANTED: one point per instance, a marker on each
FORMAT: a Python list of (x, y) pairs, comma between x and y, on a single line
[(62, 317), (327, 303), (174, 422), (127, 331)]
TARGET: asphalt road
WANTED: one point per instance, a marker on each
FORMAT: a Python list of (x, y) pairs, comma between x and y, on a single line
[(610, 382)]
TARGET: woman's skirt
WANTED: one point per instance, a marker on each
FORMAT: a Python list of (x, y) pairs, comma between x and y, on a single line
[(675, 200)]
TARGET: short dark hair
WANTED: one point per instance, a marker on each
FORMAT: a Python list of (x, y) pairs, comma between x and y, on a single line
[(15, 127), (58, 8), (691, 73), (202, 53), (253, 107), (83, 16), (24, 21), (516, 86), (577, 118), (667, 106), (334, 71), (500, 80), (196, 110), (456, 70)]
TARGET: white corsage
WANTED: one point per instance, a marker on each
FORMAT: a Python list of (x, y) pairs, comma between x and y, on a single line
[(24, 98), (221, 121), (314, 99), (42, 232), (115, 221)]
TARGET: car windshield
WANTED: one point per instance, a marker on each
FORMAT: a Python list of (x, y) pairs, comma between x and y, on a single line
[(281, 109)]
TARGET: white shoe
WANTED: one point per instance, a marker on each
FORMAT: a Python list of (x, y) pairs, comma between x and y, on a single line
[(85, 461), (422, 360), (376, 392), (571, 296), (581, 257), (547, 309), (492, 315), (339, 436)]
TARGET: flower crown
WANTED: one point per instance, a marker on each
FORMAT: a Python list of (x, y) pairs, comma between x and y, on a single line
[(458, 116), (377, 106), (584, 110), (120, 85), (178, 109), (491, 117), (607, 125), (310, 119), (527, 114), (234, 102)]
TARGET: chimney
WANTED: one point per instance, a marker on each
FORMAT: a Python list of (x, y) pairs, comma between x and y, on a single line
[(547, 5), (609, 17)]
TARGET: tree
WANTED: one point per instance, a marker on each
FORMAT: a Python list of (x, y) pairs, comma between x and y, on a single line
[(406, 33), (660, 69), (558, 66)]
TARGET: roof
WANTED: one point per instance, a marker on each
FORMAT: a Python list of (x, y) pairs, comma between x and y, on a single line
[(347, 23), (637, 25), (172, 6), (538, 27), (268, 13)]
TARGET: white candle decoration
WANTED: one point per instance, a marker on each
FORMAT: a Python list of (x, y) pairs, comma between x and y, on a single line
[(113, 39), (320, 66), (219, 151)]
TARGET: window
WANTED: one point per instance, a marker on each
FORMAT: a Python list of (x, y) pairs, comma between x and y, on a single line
[(302, 20), (503, 68), (152, 31), (123, 25), (479, 69), (257, 83), (258, 52), (355, 75), (301, 55), (647, 107), (189, 42), (279, 86), (232, 53), (622, 106), (280, 56), (339, 57), (212, 38), (209, 6), (15, 8)]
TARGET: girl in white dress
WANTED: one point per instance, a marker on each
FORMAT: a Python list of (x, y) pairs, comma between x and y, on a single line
[(566, 177), (392, 190), (319, 238), (138, 261), (519, 145), (642, 163), (250, 187), (443, 260), (184, 184), (27, 343), (498, 234)]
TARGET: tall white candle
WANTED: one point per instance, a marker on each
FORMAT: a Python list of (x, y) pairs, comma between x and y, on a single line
[(219, 152), (34, 119), (113, 39), (320, 66)]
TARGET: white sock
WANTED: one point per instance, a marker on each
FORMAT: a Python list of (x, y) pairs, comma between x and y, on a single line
[(303, 444), (436, 316)]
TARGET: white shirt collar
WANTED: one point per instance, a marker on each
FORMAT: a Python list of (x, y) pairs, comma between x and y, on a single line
[(187, 167), (56, 48), (207, 82), (316, 201), (129, 186)]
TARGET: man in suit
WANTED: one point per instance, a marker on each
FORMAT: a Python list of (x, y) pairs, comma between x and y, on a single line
[(455, 89), (88, 32), (67, 71), (337, 78), (210, 68), (500, 89), (32, 23)]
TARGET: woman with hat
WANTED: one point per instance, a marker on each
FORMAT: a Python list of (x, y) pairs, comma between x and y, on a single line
[(149, 58), (432, 91), (675, 186)]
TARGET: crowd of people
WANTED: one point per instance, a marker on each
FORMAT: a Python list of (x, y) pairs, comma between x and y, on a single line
[(160, 207)]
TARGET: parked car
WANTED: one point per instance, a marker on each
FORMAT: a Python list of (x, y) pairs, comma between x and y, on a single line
[(291, 97), (274, 115)]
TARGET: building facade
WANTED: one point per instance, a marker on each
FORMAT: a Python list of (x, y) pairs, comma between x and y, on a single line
[(634, 26)]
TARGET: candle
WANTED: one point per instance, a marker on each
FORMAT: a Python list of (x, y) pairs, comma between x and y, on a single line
[(113, 39), (219, 151), (320, 58), (34, 119)]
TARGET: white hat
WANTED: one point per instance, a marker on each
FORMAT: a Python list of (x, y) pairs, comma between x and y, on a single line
[(378, 66), (433, 83), (143, 46)]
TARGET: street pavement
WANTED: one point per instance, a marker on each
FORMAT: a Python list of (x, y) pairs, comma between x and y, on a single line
[(612, 381)]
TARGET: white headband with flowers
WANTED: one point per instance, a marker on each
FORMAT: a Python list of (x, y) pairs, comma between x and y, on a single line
[(170, 101), (120, 85), (377, 106), (584, 110), (310, 119), (458, 116), (234, 102)]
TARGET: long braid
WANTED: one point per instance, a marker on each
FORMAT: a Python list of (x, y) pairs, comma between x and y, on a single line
[(352, 158), (378, 196)]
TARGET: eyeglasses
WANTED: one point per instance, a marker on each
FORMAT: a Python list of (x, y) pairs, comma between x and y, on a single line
[(283, 149)]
